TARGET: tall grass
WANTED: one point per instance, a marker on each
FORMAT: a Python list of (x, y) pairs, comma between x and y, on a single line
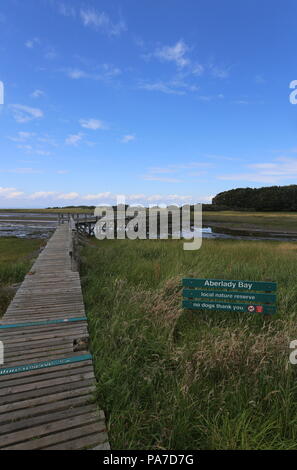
[(15, 260), (175, 379)]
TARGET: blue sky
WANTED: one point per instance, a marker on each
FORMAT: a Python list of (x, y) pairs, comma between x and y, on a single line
[(161, 101)]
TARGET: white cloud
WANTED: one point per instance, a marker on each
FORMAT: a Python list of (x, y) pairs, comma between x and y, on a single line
[(14, 194), (220, 96), (44, 153), (109, 70), (128, 138), (101, 21), (57, 198), (41, 194), (280, 170), (23, 171), (175, 53), (162, 87), (91, 197), (50, 54), (76, 74), (23, 114), (219, 71), (66, 10), (161, 179), (169, 198), (22, 136), (259, 79), (157, 170), (93, 124), (33, 150), (26, 147), (68, 196), (10, 193), (102, 72), (74, 139), (37, 93), (30, 43), (198, 69)]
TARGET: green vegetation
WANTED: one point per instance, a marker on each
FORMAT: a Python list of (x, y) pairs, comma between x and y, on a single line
[(266, 221), (15, 260), (272, 198), (174, 379), (54, 210)]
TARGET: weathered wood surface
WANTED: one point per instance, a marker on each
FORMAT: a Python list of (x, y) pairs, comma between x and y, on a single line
[(49, 408)]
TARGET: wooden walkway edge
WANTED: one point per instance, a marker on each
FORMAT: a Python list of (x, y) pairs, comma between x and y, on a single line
[(49, 405)]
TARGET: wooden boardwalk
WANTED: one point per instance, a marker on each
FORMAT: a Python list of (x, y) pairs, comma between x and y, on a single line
[(48, 406)]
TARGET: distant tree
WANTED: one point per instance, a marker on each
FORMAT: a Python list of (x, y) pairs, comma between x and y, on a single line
[(270, 198)]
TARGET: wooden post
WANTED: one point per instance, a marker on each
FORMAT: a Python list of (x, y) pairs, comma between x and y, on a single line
[(73, 244)]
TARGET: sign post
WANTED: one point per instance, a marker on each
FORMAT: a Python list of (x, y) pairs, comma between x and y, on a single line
[(232, 296)]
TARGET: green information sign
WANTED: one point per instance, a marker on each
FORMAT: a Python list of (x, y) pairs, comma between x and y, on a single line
[(239, 285), (230, 296)]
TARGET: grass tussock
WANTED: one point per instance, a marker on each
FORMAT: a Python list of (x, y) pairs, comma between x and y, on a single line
[(175, 379)]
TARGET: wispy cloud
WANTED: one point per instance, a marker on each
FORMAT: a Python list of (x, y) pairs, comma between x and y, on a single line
[(41, 194), (74, 139), (103, 72), (66, 9), (93, 124), (176, 53), (102, 22), (50, 53), (33, 150), (75, 74), (97, 197), (128, 138), (162, 179), (22, 136), (259, 79), (220, 72), (30, 43), (37, 93), (278, 171), (161, 87), (10, 193), (68, 196), (220, 96), (22, 171), (103, 198), (23, 114)]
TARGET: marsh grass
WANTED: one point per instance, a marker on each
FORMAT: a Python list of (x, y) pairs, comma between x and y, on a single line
[(270, 221), (175, 379), (16, 256)]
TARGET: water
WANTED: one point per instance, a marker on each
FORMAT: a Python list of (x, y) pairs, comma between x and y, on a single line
[(27, 224), (42, 225)]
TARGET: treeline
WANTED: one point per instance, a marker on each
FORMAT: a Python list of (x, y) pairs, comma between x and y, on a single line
[(271, 198), (71, 207)]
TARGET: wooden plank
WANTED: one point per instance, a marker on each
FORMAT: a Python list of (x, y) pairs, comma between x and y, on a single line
[(85, 442), (52, 407), (58, 438), (29, 405), (49, 428), (46, 418)]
